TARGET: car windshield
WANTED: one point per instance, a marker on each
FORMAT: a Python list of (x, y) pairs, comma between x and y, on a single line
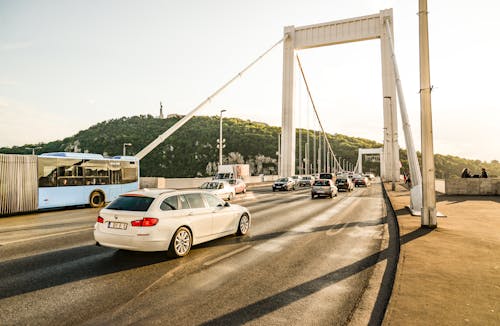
[(211, 185), (321, 183), (131, 203), (325, 176), (341, 180), (282, 180)]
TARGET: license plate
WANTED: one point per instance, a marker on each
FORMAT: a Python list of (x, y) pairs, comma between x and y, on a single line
[(117, 225)]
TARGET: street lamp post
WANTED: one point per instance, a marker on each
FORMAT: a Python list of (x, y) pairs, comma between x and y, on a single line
[(33, 149), (125, 148), (220, 140)]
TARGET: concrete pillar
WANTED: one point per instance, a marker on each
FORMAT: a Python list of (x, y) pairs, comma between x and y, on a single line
[(287, 162), (429, 214), (390, 168)]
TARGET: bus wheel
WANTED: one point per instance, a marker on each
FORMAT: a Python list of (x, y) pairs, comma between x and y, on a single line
[(96, 199)]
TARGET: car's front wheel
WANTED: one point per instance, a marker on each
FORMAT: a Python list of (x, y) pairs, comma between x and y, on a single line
[(181, 242), (243, 225)]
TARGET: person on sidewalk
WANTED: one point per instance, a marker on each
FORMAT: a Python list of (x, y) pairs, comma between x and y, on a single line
[(466, 173), (483, 173)]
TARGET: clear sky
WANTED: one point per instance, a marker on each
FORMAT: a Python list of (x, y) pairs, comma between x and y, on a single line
[(66, 65)]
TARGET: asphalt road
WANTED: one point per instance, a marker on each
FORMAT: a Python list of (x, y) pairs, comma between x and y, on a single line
[(304, 262)]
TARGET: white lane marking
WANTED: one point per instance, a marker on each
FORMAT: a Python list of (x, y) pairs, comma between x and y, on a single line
[(45, 236), (229, 254), (278, 244)]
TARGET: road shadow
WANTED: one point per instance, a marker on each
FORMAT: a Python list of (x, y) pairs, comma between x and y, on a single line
[(275, 302), (233, 239), (68, 265), (454, 199)]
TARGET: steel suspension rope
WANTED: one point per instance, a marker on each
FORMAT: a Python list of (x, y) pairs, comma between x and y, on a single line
[(146, 150), (314, 108)]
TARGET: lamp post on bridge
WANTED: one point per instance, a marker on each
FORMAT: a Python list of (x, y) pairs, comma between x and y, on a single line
[(125, 148), (220, 141), (33, 149), (429, 213)]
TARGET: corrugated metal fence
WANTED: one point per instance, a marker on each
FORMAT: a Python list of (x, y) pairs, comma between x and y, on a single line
[(18, 183)]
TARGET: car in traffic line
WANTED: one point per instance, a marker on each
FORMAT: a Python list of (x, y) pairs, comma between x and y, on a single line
[(324, 187), (220, 188), (284, 184), (360, 180), (238, 185), (306, 181), (370, 176), (344, 183), (168, 220)]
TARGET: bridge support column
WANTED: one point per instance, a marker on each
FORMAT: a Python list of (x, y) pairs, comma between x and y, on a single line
[(287, 164), (390, 169)]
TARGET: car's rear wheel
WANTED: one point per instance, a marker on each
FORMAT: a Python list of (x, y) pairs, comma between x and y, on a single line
[(96, 199), (243, 225), (230, 196), (181, 242)]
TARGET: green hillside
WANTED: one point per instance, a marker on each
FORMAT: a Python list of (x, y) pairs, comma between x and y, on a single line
[(192, 150)]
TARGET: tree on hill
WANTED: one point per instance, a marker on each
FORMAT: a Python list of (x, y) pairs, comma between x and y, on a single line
[(192, 150)]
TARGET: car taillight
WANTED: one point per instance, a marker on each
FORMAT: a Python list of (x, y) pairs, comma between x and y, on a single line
[(147, 221), (136, 223), (100, 219)]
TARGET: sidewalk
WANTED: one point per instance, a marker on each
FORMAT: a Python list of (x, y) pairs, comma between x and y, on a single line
[(449, 275)]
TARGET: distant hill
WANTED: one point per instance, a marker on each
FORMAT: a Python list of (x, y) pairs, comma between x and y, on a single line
[(192, 150)]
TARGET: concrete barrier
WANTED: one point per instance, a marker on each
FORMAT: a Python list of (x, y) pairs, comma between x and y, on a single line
[(473, 186), (185, 183)]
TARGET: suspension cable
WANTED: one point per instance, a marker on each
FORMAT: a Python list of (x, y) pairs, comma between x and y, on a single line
[(146, 150), (314, 108)]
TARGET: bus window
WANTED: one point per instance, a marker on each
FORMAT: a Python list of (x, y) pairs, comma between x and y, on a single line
[(69, 172), (115, 172), (47, 172), (129, 172), (96, 172)]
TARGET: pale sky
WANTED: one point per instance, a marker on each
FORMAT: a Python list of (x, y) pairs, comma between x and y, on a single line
[(67, 65)]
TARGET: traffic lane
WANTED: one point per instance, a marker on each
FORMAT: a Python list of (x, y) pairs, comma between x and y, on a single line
[(20, 227), (33, 234), (93, 273), (318, 269), (56, 271)]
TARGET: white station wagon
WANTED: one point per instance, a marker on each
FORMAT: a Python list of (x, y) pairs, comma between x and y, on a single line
[(163, 219)]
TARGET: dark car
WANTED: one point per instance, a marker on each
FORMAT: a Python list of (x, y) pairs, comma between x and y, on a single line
[(329, 176), (284, 184), (360, 180), (344, 183), (324, 187), (306, 181)]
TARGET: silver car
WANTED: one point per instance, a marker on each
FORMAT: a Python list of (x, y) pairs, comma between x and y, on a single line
[(324, 187)]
